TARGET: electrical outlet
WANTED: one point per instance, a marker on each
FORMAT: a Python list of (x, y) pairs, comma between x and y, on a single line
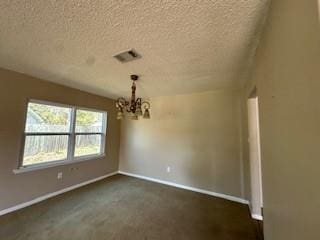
[(59, 175), (168, 169)]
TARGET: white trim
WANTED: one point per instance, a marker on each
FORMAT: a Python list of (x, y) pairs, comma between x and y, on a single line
[(219, 195), (72, 134), (50, 195), (40, 166), (257, 217), (50, 103)]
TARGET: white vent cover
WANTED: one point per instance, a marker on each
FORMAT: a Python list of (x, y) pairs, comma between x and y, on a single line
[(127, 56)]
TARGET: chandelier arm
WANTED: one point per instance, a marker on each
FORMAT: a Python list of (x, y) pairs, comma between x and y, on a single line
[(121, 103), (139, 101), (146, 105), (128, 107)]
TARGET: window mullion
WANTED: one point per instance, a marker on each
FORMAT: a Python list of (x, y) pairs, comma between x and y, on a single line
[(46, 133), (103, 143), (72, 137), (103, 135)]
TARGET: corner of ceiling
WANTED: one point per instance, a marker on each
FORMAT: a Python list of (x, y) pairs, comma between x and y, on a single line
[(246, 74)]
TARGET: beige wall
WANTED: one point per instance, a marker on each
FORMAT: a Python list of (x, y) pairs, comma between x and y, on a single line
[(287, 75), (15, 88), (197, 135)]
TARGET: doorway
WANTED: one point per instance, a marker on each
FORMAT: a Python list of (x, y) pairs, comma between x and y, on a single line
[(255, 156)]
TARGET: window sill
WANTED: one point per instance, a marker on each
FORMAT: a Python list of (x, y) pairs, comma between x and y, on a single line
[(56, 164)]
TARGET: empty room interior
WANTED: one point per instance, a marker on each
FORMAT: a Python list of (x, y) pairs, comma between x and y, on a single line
[(159, 120)]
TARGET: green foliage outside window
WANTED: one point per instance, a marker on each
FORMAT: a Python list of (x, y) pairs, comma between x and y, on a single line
[(60, 116)]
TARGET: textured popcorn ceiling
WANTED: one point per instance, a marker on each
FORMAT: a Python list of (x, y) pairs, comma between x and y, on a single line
[(186, 46)]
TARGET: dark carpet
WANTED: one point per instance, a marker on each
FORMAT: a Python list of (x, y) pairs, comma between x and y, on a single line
[(127, 208)]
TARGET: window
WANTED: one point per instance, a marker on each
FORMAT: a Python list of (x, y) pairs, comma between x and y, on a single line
[(59, 133), (89, 133)]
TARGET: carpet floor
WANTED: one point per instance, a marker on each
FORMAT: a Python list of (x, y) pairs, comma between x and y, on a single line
[(127, 208)]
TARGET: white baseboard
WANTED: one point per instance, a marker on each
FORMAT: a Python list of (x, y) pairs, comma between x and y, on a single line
[(50, 195), (254, 215), (219, 195), (257, 217)]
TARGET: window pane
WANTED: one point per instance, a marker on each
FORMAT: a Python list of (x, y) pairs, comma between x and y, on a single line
[(88, 121), (40, 149), (47, 118), (87, 145)]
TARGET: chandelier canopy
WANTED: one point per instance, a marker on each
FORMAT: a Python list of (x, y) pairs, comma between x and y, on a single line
[(136, 107)]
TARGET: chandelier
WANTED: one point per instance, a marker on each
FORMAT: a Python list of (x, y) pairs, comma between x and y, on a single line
[(135, 106)]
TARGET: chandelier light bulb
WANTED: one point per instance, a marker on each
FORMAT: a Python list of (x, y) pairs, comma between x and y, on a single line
[(146, 114), (120, 115)]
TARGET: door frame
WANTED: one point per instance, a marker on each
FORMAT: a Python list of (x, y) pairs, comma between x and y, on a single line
[(256, 203)]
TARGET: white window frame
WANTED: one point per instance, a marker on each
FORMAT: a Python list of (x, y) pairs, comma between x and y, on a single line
[(71, 138)]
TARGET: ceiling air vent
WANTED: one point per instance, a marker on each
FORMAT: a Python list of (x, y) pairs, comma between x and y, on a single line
[(127, 56)]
